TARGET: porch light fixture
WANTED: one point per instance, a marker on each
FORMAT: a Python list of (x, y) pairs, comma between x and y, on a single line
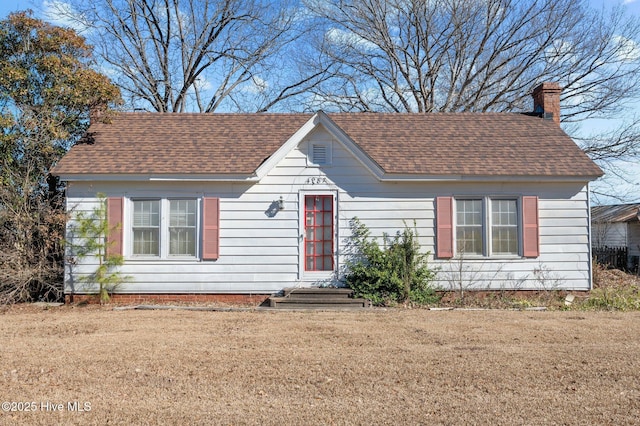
[(281, 203)]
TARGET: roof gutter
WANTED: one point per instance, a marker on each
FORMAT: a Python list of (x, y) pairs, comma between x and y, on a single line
[(388, 177), (157, 178)]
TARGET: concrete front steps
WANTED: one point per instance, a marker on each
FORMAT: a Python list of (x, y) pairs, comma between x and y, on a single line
[(317, 298)]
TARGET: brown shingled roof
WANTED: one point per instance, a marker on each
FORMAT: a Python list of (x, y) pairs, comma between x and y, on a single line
[(472, 144)]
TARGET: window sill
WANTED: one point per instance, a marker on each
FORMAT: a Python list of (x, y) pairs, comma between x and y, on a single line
[(492, 257), (162, 259)]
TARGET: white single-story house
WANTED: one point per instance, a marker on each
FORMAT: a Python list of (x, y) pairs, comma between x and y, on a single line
[(617, 226), (240, 204)]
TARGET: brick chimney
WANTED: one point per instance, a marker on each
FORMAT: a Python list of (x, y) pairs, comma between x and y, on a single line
[(546, 100)]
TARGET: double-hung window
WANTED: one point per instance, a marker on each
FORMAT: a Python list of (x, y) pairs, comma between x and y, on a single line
[(487, 226), (146, 228), (469, 220), (182, 227), (164, 228), (504, 227)]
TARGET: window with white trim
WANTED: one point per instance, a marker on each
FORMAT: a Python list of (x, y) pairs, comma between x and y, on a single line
[(164, 228), (487, 226), (469, 226), (146, 228), (504, 227)]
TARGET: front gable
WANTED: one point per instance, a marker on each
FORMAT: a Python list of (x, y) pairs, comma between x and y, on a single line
[(317, 138)]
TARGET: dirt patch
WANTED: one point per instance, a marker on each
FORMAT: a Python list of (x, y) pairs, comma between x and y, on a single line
[(378, 367)]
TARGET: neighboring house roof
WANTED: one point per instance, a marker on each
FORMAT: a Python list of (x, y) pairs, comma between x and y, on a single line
[(615, 213), (439, 144)]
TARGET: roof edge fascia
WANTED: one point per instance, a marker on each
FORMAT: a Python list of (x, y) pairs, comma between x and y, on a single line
[(383, 177), (389, 177), (131, 177)]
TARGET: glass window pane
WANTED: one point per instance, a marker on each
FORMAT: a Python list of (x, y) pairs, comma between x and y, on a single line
[(328, 263), (328, 246), (469, 227), (146, 242), (469, 212), (327, 204), (327, 233), (469, 240), (146, 213), (182, 227), (182, 242), (182, 213), (146, 232), (504, 232), (504, 212)]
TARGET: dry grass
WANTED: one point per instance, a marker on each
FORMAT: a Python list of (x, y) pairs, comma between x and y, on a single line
[(376, 367)]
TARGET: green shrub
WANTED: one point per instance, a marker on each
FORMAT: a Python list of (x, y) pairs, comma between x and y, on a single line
[(90, 239), (625, 298), (396, 272)]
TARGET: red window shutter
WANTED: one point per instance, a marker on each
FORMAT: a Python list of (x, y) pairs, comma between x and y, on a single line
[(211, 228), (530, 234), (444, 224), (114, 220)]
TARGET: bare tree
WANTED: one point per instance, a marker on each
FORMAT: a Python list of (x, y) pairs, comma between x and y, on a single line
[(460, 55), (197, 55), (487, 55)]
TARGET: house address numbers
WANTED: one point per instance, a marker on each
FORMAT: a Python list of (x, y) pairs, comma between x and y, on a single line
[(317, 181)]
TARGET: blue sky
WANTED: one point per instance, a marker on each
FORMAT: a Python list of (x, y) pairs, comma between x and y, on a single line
[(633, 7)]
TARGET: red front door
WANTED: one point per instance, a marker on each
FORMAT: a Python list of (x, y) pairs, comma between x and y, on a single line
[(318, 241)]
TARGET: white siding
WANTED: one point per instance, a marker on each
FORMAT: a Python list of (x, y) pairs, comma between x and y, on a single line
[(634, 238), (260, 252), (609, 234)]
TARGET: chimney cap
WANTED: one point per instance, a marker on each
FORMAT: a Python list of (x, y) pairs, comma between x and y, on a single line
[(547, 86)]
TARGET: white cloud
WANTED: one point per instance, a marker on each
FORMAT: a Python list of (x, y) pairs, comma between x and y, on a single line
[(346, 38), (63, 14), (559, 50), (256, 85), (629, 49), (203, 84)]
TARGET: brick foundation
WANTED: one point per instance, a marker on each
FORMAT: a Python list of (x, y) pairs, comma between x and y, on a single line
[(136, 299)]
